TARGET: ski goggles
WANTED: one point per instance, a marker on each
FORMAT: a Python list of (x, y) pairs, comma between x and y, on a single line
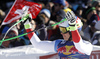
[(63, 30)]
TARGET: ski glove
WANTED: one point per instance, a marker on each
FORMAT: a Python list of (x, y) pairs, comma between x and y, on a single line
[(70, 16), (27, 24)]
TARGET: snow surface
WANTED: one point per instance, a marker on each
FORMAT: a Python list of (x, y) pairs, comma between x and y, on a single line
[(26, 52)]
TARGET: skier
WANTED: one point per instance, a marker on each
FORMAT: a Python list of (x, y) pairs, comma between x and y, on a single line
[(72, 46)]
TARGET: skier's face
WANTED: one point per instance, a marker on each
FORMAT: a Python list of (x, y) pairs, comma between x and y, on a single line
[(66, 36), (65, 33)]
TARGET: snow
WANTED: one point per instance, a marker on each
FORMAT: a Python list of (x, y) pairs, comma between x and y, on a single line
[(27, 52), (22, 52)]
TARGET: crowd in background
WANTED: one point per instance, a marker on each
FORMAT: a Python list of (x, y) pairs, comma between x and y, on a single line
[(87, 10)]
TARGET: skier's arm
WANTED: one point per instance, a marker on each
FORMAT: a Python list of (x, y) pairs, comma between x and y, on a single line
[(81, 45), (36, 42)]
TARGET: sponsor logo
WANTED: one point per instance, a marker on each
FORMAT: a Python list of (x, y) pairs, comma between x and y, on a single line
[(67, 50)]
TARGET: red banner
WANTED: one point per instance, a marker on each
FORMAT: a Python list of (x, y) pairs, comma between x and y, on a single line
[(17, 10)]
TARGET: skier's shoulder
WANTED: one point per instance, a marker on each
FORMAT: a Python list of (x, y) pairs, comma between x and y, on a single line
[(59, 40)]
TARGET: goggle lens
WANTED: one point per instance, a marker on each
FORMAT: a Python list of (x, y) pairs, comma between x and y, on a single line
[(63, 30)]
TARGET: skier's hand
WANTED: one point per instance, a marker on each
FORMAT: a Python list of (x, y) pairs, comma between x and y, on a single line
[(27, 22), (70, 16)]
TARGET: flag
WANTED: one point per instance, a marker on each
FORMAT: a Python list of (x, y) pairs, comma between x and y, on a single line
[(18, 8)]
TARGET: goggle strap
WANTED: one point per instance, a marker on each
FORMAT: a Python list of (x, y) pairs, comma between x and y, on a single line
[(72, 27), (68, 28)]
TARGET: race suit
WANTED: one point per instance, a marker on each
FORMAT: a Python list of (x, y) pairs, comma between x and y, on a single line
[(75, 49)]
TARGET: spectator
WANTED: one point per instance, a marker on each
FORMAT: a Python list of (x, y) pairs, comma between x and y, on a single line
[(58, 4), (79, 11), (89, 31), (5, 44), (15, 42), (97, 25), (2, 15), (42, 20), (5, 28), (53, 32), (49, 6), (96, 38), (89, 14), (96, 4), (43, 5), (12, 33)]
